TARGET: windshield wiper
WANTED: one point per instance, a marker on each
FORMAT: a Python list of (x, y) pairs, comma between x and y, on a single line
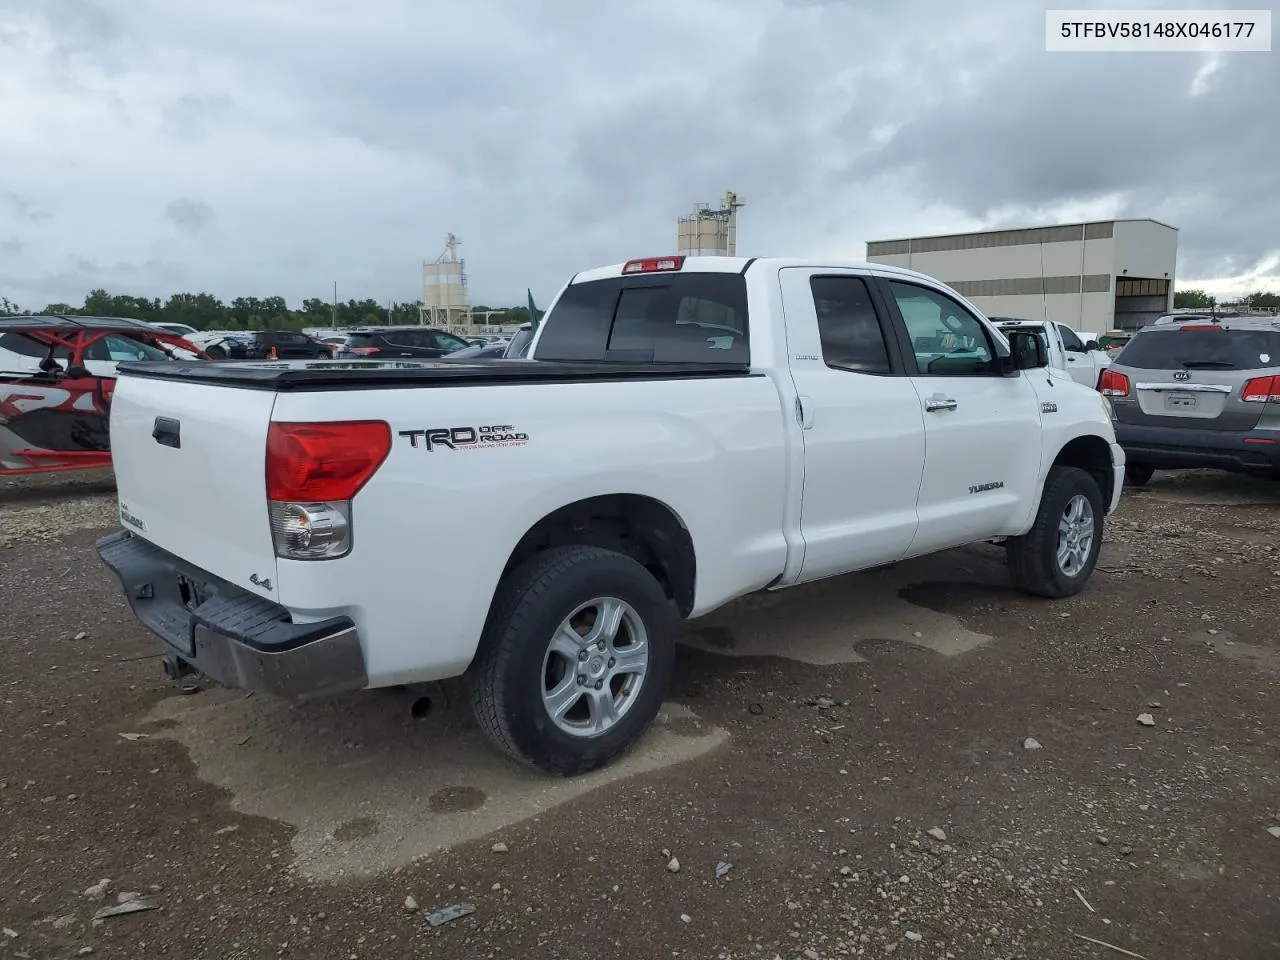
[(1214, 364)]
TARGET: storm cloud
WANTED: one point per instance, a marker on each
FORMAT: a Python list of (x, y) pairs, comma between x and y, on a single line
[(342, 142)]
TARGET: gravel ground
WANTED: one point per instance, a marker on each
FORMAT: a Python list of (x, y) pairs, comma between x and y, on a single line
[(890, 807)]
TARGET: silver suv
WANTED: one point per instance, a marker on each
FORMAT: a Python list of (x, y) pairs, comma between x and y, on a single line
[(1198, 392)]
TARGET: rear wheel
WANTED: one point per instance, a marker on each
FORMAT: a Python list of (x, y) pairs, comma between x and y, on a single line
[(575, 660), (1056, 557), (216, 353), (1138, 474)]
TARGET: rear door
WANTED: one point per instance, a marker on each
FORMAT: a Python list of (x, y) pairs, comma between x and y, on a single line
[(1194, 375), (190, 467), (982, 429), (862, 427)]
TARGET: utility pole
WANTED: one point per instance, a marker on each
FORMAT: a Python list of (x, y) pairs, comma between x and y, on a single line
[(335, 304)]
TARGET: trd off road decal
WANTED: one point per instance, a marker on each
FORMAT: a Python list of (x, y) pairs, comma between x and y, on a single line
[(466, 438)]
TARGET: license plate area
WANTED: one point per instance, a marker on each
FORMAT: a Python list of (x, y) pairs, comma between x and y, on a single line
[(1180, 401)]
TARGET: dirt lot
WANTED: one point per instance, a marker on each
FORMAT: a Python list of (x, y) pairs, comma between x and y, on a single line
[(855, 750)]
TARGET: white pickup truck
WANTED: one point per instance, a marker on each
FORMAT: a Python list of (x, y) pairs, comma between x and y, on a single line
[(683, 432), (1076, 355)]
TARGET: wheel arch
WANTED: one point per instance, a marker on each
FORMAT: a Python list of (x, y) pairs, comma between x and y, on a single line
[(1092, 454), (635, 525)]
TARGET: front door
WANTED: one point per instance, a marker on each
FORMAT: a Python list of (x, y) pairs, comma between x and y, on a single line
[(982, 429), (861, 425)]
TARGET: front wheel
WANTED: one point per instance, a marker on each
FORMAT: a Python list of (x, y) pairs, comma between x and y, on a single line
[(575, 660), (1056, 557)]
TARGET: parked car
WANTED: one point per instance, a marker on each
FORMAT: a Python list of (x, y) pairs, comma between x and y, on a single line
[(57, 376), (181, 329), (1199, 393), (403, 341), (1068, 352), (685, 432), (1113, 341), (482, 351), (506, 349), (268, 344)]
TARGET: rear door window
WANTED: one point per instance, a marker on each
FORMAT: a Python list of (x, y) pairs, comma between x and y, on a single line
[(418, 339), (666, 318), (850, 331), (1216, 348)]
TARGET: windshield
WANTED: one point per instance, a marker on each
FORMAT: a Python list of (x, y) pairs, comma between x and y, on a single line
[(1215, 348)]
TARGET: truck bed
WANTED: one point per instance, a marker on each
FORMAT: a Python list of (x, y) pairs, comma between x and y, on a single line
[(319, 375)]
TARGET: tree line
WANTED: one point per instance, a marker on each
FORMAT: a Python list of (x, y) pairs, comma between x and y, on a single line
[(1199, 300), (204, 311)]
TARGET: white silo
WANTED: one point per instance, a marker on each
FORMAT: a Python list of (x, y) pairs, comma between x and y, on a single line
[(710, 233), (444, 289)]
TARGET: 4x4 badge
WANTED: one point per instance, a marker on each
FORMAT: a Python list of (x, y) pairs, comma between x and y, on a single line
[(1182, 375)]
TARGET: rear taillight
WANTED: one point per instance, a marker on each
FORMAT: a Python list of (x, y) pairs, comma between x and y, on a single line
[(1262, 390), (314, 471), (1113, 384)]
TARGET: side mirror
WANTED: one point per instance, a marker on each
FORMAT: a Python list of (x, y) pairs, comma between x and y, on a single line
[(1027, 352)]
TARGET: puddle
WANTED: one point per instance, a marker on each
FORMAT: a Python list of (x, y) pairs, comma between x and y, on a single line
[(825, 623), (369, 788)]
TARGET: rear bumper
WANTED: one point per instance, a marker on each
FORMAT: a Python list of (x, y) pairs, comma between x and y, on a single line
[(236, 638), (1174, 448)]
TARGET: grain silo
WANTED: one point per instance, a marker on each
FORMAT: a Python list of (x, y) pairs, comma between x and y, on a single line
[(710, 233), (444, 288)]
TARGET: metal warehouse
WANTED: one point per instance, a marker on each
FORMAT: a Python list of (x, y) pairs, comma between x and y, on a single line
[(1094, 277)]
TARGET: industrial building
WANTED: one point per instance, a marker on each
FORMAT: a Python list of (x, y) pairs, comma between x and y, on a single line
[(444, 289), (710, 233), (1094, 277)]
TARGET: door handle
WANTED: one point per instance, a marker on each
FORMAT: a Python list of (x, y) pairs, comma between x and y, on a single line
[(934, 404), (804, 412)]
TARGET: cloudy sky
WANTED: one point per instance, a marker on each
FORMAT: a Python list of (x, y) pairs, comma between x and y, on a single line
[(265, 147)]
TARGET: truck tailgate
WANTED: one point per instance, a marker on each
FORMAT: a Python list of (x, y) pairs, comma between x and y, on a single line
[(190, 465)]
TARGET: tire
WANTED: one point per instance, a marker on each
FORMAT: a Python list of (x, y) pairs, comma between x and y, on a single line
[(324, 355), (216, 353), (515, 663), (1034, 564), (1138, 474)]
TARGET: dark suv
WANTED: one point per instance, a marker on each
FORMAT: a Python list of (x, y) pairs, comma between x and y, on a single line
[(1200, 392), (260, 344), (404, 341)]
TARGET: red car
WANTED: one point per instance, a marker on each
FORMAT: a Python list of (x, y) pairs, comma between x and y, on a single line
[(56, 379)]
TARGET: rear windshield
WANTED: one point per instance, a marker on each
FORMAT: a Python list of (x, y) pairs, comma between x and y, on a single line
[(664, 318), (1217, 349)]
